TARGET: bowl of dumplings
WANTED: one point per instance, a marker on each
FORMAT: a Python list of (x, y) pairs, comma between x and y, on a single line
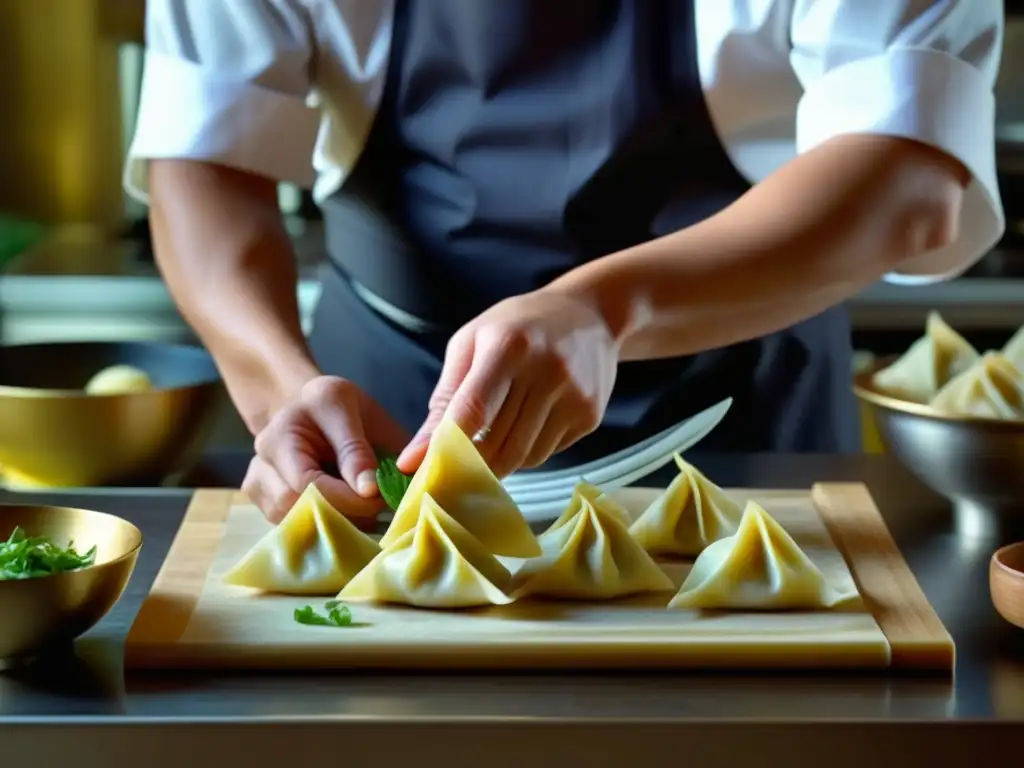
[(954, 416), (80, 414)]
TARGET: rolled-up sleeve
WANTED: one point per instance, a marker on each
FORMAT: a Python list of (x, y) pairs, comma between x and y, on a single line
[(226, 81), (918, 69)]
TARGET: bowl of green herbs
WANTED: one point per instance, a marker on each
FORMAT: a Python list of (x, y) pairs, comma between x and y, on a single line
[(61, 571)]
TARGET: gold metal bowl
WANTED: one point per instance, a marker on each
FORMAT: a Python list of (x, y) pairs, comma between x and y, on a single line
[(42, 612), (53, 434), (976, 463)]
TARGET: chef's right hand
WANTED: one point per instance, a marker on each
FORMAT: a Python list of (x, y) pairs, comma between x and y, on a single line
[(331, 422)]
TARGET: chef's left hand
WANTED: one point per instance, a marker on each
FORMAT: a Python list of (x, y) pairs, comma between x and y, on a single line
[(533, 374)]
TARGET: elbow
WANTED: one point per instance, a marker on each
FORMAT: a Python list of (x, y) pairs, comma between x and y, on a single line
[(928, 207), (921, 227)]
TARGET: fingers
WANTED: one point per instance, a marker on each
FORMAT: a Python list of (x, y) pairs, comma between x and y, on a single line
[(334, 406), (287, 451), (268, 490), (529, 422), (547, 443), (473, 385), (383, 431), (352, 505), (503, 424), (326, 425)]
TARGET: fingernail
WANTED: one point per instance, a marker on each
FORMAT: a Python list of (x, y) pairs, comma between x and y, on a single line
[(366, 483)]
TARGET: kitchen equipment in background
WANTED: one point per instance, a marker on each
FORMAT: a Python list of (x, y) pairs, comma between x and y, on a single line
[(17, 236), (1006, 582), (53, 434), (38, 613), (838, 526), (978, 464), (60, 137)]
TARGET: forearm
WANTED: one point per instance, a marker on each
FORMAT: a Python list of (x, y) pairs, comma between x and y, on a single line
[(827, 225), (222, 248)]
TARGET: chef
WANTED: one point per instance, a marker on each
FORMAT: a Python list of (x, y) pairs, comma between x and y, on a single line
[(568, 225)]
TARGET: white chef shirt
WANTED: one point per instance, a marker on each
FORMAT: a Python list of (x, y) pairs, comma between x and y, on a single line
[(288, 89)]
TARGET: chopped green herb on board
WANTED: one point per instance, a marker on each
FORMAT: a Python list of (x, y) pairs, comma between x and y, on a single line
[(338, 615), (29, 557), (390, 480)]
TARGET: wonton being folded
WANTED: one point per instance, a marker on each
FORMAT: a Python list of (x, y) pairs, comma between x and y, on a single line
[(458, 478), (589, 554), (315, 550), (1014, 349), (436, 564), (928, 365), (993, 388), (760, 567), (692, 513)]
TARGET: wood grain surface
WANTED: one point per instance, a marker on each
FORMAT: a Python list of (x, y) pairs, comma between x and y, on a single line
[(192, 620)]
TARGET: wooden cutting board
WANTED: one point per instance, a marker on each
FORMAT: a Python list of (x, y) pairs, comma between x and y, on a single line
[(191, 620)]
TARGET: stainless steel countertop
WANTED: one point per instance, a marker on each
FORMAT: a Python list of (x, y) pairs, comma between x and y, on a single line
[(85, 706)]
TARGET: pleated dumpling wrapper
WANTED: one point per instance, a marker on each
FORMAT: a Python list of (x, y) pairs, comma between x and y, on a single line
[(1014, 349), (692, 513), (930, 363), (589, 555), (315, 550), (436, 564), (758, 568), (455, 474), (992, 388)]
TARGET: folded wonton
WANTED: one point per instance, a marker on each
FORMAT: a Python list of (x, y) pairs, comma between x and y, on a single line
[(992, 388), (436, 564), (760, 567), (459, 480), (928, 365), (589, 554), (315, 550), (692, 513), (1014, 349)]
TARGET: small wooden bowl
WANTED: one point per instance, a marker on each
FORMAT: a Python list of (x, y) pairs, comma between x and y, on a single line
[(1006, 582)]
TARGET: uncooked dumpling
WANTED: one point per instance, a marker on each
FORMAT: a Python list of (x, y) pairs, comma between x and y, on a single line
[(589, 555), (760, 567), (928, 365), (119, 380), (436, 564), (1014, 349), (315, 550), (458, 478), (692, 513), (993, 388)]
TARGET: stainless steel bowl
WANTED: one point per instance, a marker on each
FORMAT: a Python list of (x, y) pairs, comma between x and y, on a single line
[(53, 434), (976, 463)]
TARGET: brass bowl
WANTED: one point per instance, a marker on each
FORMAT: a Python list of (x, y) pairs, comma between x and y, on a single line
[(976, 463), (53, 434), (39, 613)]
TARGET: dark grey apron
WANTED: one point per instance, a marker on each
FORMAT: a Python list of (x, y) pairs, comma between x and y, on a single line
[(515, 141)]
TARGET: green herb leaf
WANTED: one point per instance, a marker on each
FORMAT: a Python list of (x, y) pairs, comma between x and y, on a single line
[(29, 557), (391, 482), (338, 615), (306, 615)]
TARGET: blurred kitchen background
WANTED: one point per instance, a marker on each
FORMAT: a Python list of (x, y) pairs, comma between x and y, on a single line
[(75, 255)]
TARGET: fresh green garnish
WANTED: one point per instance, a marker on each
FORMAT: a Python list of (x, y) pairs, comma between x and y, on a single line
[(29, 557), (338, 615), (390, 480)]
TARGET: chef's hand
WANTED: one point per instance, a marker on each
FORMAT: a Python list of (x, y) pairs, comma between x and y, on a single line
[(534, 373), (330, 422)]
